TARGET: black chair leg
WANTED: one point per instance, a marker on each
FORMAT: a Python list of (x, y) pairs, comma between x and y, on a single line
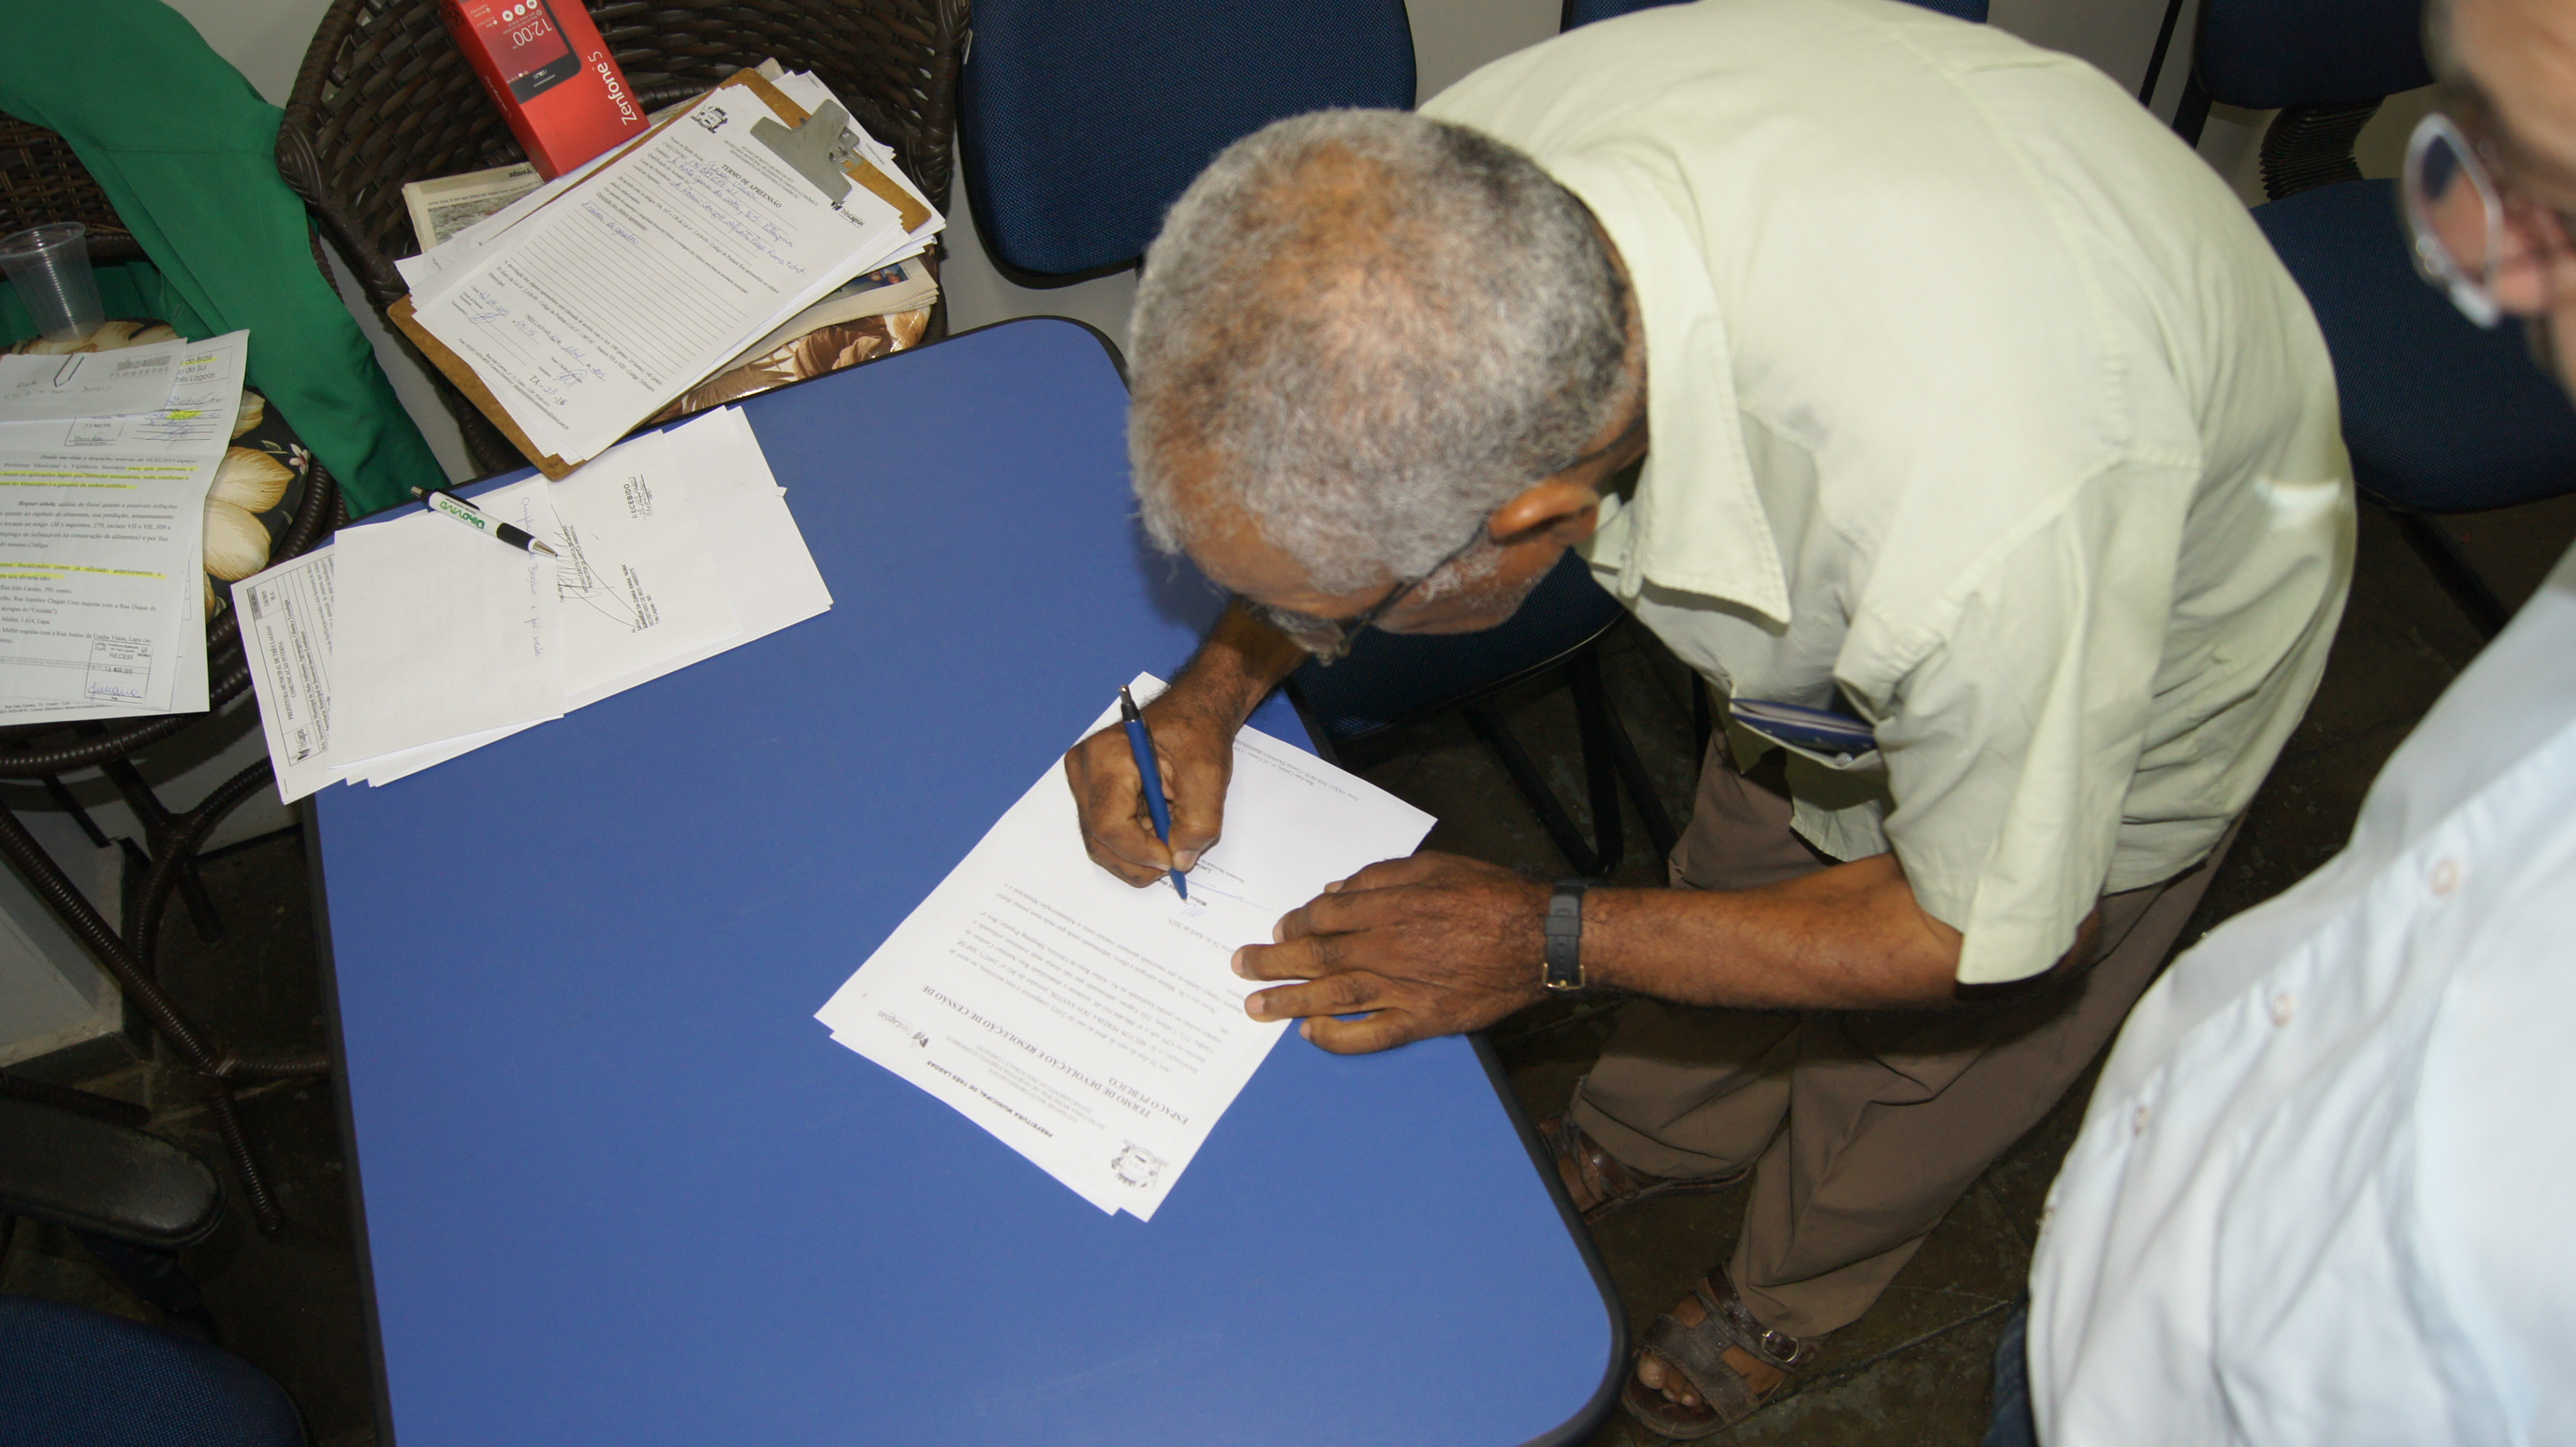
[(154, 1276), (63, 800), (2450, 568), (2191, 113), (1515, 760), (1593, 724), (157, 820), (1641, 788), (1610, 760)]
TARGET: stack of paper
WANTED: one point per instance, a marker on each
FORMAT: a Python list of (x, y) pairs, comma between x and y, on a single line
[(106, 458), (1097, 1029), (579, 310), (408, 642)]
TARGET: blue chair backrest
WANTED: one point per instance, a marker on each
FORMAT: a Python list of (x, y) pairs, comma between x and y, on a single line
[(1083, 120), (1584, 12), (2265, 54)]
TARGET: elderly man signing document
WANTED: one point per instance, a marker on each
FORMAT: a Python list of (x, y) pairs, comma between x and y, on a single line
[(1968, 402)]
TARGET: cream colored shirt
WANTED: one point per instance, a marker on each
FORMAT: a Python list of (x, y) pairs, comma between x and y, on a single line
[(1976, 400)]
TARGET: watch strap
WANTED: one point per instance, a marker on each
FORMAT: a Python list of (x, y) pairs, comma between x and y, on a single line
[(1564, 967)]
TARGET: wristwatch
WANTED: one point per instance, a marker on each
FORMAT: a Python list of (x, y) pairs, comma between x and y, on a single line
[(1564, 968)]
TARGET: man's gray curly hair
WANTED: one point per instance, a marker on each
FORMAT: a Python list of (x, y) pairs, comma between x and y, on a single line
[(1366, 330)]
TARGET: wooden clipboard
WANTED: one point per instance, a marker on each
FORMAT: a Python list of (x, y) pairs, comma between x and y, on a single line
[(911, 213)]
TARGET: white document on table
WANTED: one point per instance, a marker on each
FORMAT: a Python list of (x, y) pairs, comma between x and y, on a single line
[(768, 571), (85, 384), (102, 523), (715, 514), (1095, 1028), (385, 768), (442, 631), (607, 301), (638, 582), (286, 637)]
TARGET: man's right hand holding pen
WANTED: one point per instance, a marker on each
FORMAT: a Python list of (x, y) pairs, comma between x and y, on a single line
[(1193, 723)]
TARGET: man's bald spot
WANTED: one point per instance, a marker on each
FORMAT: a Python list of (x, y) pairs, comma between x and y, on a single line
[(1362, 331)]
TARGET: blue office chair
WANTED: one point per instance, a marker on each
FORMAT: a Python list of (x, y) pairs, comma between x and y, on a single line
[(72, 1377), (1389, 680), (2440, 416), (1083, 120), (1584, 12)]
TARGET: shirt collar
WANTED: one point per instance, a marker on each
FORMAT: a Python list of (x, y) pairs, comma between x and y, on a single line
[(1696, 523)]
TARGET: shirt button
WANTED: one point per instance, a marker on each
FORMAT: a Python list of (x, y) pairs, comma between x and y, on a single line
[(2445, 880), (2138, 1122), (2284, 1005)]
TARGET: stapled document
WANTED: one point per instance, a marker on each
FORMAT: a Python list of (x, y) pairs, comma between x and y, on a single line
[(84, 384), (102, 525)]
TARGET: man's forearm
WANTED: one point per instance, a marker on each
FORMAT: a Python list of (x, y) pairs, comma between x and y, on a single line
[(1846, 937), (1236, 666)]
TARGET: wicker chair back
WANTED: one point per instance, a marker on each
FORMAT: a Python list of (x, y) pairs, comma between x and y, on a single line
[(386, 97), (42, 180)]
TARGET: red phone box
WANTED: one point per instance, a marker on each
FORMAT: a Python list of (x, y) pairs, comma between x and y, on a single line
[(552, 77)]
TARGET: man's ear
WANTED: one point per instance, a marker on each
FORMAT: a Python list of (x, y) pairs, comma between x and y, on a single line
[(1561, 512)]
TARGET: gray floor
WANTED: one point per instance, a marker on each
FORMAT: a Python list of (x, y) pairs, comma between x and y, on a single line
[(1914, 1371)]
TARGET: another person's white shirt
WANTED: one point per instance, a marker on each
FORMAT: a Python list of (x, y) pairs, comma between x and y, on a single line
[(2326, 1189), (1975, 398)]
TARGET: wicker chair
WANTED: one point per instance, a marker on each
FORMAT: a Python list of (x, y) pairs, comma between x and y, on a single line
[(386, 97), (41, 180)]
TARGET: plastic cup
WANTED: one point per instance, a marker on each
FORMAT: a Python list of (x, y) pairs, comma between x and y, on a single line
[(50, 268)]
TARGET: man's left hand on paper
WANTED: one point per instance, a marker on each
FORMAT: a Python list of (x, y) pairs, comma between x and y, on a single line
[(1431, 945)]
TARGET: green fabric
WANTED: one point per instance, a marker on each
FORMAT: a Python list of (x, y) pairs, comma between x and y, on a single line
[(186, 152)]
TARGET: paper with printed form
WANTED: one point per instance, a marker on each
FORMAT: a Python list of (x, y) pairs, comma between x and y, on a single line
[(84, 384), (1097, 1029), (286, 636), (604, 302), (102, 570)]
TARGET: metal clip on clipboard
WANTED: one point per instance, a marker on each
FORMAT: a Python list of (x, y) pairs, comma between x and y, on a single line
[(817, 150)]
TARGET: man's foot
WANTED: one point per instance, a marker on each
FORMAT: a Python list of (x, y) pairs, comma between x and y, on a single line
[(1707, 1364), (1599, 1184)]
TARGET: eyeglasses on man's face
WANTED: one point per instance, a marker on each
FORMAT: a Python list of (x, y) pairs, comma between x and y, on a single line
[(2479, 233), (1329, 640)]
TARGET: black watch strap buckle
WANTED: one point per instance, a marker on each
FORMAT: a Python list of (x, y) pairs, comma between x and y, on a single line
[(1564, 970)]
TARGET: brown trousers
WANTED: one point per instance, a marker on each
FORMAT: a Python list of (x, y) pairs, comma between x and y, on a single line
[(1863, 1127)]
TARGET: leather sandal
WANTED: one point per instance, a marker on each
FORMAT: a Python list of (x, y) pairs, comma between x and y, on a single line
[(1591, 1173), (1700, 1354)]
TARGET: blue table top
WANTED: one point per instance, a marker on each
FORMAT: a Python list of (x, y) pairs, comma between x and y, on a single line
[(619, 1186)]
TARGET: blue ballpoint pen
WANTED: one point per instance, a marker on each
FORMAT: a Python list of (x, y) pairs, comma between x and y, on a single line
[(1142, 743)]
